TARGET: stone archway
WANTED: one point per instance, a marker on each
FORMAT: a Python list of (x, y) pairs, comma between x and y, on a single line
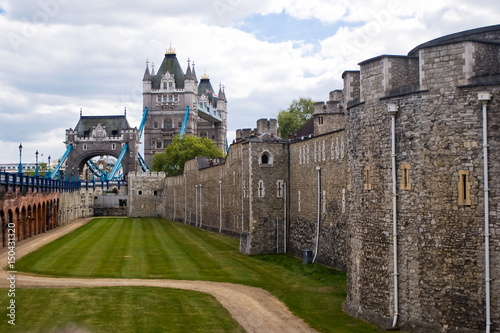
[(102, 136)]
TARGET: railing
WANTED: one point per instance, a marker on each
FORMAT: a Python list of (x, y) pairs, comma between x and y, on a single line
[(41, 184), (103, 184), (23, 182), (206, 111)]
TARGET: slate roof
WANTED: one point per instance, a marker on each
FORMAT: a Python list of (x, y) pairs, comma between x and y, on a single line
[(170, 64), (114, 125), (205, 86)]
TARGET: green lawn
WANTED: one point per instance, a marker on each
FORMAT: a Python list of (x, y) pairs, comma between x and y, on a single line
[(156, 248), (116, 309)]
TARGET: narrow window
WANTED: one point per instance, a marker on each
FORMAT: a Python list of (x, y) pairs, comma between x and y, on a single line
[(279, 189), (261, 189), (405, 177), (155, 192), (155, 124), (348, 178), (320, 120), (113, 146), (265, 159), (164, 85), (343, 200), (298, 200), (368, 180), (464, 186), (85, 147), (139, 192)]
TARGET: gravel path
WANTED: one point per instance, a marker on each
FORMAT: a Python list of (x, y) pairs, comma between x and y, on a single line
[(255, 309)]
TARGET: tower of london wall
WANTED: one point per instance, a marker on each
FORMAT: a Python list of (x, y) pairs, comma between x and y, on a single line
[(332, 192)]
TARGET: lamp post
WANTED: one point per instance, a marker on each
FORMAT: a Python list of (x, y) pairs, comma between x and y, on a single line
[(20, 167), (36, 163), (48, 167)]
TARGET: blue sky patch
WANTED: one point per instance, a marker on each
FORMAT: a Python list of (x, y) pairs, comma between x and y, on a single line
[(2, 11), (281, 27)]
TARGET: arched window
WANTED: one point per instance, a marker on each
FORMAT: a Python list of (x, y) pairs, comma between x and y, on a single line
[(167, 123), (266, 159), (204, 135)]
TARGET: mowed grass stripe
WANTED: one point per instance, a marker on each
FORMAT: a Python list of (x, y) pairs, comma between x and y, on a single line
[(157, 248), (117, 309)]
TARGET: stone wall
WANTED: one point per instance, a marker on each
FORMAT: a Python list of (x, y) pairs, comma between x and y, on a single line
[(272, 194), (35, 210), (146, 196), (318, 192), (440, 232)]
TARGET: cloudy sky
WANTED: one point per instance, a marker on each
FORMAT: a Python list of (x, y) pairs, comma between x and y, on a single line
[(57, 56)]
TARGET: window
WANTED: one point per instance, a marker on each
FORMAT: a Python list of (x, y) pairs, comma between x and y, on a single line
[(113, 146), (176, 98), (261, 190), (164, 85), (170, 85), (320, 120), (139, 192), (155, 124), (405, 177), (167, 123), (266, 158), (158, 144), (204, 135), (85, 147), (280, 188), (155, 192), (368, 180), (464, 186)]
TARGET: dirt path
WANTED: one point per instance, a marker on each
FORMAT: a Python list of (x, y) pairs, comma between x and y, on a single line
[(255, 309)]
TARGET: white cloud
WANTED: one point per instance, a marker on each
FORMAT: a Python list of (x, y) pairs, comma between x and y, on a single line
[(62, 55)]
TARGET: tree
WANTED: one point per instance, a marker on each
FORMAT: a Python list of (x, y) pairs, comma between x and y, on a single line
[(297, 114), (182, 149)]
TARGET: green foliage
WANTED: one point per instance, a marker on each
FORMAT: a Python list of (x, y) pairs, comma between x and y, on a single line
[(181, 150), (293, 118), (159, 249)]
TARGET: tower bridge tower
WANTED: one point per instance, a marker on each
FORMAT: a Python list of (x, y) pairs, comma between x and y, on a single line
[(167, 94)]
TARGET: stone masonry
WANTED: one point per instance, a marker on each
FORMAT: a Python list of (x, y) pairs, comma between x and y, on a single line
[(331, 190)]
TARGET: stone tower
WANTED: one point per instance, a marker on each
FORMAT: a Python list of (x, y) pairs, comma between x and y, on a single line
[(167, 93)]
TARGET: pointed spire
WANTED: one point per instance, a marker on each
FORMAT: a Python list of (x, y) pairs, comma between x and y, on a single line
[(125, 111), (189, 74), (147, 75), (221, 95), (194, 74), (153, 69), (80, 112)]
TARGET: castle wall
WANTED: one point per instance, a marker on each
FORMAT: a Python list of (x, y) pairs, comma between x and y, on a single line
[(273, 194), (30, 210), (440, 237), (318, 174)]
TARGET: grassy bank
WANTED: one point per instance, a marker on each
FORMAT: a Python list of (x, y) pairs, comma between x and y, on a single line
[(156, 248)]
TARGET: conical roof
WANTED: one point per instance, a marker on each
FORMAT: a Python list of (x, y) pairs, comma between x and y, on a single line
[(170, 64)]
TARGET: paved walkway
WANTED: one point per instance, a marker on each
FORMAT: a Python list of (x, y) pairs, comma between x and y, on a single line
[(255, 309)]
